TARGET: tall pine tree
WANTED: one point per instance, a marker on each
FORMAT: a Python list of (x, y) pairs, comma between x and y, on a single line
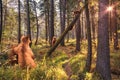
[(103, 52)]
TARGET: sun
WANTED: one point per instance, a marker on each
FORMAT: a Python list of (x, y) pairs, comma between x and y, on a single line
[(109, 8)]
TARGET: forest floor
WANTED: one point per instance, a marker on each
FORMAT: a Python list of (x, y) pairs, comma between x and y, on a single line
[(69, 51), (114, 55), (65, 63)]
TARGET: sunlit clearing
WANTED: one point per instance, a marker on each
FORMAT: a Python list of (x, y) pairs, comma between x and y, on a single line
[(110, 8)]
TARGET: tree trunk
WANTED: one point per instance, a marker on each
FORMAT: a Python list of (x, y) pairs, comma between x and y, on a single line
[(51, 21), (0, 20), (78, 33), (65, 32), (28, 20), (82, 32), (103, 52), (19, 22), (5, 15), (46, 19), (68, 19), (48, 31), (83, 26), (93, 23), (73, 33), (89, 55), (110, 23), (37, 35), (46, 26), (62, 18)]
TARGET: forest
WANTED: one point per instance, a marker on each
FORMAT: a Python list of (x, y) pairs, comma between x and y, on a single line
[(59, 39)]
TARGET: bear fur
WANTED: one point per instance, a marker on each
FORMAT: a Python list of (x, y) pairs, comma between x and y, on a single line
[(53, 40), (24, 54)]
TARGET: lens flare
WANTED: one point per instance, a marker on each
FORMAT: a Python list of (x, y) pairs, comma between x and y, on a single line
[(110, 8)]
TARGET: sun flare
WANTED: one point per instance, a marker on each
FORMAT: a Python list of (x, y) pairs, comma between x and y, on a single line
[(110, 8)]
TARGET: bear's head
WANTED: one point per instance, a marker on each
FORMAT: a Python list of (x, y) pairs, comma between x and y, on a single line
[(25, 40)]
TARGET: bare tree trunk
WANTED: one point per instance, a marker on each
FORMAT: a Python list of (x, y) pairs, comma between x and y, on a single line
[(65, 32), (110, 25), (82, 26), (48, 31), (47, 5), (46, 19), (78, 32), (73, 33), (37, 35), (19, 22), (5, 14), (1, 20), (51, 21), (28, 20), (103, 52), (89, 55), (46, 27), (62, 18), (68, 36), (93, 23)]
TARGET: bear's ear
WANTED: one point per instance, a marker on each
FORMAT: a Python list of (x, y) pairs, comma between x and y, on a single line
[(25, 39), (22, 38)]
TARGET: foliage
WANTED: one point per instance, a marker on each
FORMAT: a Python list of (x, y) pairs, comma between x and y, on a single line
[(12, 73), (47, 69), (53, 68), (48, 72)]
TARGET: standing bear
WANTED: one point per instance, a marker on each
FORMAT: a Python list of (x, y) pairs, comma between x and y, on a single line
[(24, 54)]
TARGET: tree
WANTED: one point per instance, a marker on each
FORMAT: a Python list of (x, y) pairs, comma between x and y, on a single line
[(103, 51), (78, 32), (19, 22), (83, 26), (62, 18), (0, 20), (68, 20), (37, 35), (28, 20), (51, 21), (78, 29), (89, 55), (5, 13), (68, 35), (93, 21), (46, 9), (110, 21)]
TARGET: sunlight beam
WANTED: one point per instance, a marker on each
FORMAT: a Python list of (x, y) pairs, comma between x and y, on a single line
[(109, 8)]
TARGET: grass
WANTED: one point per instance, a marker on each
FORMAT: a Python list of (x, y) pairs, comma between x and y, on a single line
[(54, 68)]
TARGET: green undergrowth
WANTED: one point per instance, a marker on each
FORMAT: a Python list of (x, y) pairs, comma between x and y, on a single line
[(48, 68), (115, 59), (54, 67)]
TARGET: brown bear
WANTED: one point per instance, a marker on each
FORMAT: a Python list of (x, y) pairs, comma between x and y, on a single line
[(53, 40), (25, 56)]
